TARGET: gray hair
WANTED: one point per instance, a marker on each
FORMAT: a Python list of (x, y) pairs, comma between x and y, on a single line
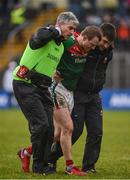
[(67, 17)]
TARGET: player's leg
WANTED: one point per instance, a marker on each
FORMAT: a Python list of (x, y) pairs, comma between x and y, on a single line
[(64, 120), (64, 103), (78, 116), (62, 117), (57, 131)]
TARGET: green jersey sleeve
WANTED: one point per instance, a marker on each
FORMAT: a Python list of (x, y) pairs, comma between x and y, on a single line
[(67, 44)]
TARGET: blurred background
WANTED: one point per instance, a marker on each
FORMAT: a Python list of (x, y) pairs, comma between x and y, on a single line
[(20, 18)]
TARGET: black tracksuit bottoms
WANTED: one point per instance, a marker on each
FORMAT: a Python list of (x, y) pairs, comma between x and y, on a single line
[(88, 110), (37, 106)]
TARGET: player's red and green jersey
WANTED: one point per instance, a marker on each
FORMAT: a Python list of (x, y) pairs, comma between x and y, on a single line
[(72, 63)]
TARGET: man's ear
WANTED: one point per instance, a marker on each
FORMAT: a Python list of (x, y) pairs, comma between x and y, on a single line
[(113, 45)]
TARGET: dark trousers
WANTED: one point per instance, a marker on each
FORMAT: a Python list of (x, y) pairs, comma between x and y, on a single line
[(88, 110), (37, 107)]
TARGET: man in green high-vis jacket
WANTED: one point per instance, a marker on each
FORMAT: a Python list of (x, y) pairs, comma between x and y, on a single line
[(31, 80)]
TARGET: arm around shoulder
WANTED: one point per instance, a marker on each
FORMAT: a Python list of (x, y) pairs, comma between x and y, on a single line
[(43, 36)]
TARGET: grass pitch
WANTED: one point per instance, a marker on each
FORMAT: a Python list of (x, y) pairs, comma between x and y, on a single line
[(114, 162)]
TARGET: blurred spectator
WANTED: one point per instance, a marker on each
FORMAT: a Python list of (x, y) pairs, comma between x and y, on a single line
[(93, 20), (17, 15), (7, 80), (123, 34), (128, 7), (121, 10), (106, 6), (86, 9), (10, 17), (107, 18), (17, 18), (93, 6), (90, 6), (75, 7)]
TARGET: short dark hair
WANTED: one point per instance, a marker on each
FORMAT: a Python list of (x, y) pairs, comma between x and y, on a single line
[(91, 32), (109, 31)]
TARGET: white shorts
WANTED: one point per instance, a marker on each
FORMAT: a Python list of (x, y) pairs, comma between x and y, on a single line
[(62, 97)]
